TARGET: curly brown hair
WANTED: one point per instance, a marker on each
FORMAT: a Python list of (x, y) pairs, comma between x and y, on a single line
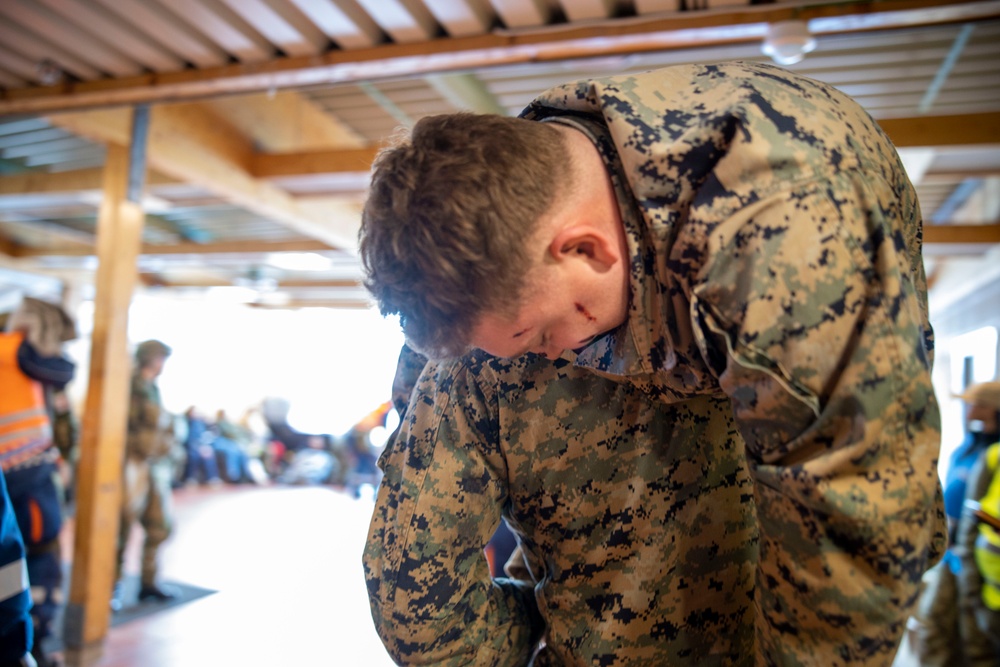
[(444, 228)]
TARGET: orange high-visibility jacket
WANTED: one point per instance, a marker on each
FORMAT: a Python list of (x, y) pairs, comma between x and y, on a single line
[(25, 430)]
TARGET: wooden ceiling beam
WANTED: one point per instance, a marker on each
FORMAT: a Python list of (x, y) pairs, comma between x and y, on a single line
[(76, 180), (7, 246), (949, 177), (51, 231), (190, 143), (962, 234), (682, 30), (285, 121), (229, 247), (161, 280), (274, 165), (967, 129), (958, 130)]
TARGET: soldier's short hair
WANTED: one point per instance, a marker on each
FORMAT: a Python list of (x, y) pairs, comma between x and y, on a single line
[(445, 227), (148, 350)]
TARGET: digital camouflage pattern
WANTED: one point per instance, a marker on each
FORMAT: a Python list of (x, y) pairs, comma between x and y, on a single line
[(150, 429), (146, 476), (742, 474)]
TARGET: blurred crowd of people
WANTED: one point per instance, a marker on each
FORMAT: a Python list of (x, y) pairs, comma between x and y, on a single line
[(39, 452), (261, 447)]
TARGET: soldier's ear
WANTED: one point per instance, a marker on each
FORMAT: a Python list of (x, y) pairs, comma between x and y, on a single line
[(584, 242)]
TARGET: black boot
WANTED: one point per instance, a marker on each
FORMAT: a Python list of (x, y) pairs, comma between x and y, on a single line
[(152, 591)]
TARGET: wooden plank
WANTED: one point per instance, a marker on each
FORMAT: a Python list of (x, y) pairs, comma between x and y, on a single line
[(274, 165), (465, 17), (682, 31), (346, 24), (18, 65), (228, 247), (581, 10), (407, 21), (159, 280), (955, 234), (11, 81), (191, 144), (68, 36), (102, 437), (78, 180), (225, 28), (523, 13), (969, 129), (7, 246), (160, 26), (289, 30), (38, 49), (957, 130), (99, 22), (285, 121)]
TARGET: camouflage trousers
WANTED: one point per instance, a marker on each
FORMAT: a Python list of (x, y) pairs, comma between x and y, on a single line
[(948, 635), (146, 499)]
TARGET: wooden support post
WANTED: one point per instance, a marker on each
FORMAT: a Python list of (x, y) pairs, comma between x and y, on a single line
[(102, 442)]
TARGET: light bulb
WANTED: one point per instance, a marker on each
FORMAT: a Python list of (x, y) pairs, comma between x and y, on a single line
[(788, 42)]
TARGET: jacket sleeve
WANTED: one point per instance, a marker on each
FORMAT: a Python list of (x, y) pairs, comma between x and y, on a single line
[(16, 631), (56, 371), (431, 594), (814, 320)]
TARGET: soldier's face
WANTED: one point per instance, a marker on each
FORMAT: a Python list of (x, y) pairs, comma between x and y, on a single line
[(155, 366), (578, 286), (562, 310)]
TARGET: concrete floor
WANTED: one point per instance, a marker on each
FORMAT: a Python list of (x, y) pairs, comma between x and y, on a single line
[(286, 563)]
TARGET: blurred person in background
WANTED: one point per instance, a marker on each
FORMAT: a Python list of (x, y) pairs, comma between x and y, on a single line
[(16, 631), (947, 634), (32, 367), (147, 473)]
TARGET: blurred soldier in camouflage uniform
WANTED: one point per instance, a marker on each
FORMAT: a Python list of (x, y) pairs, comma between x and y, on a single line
[(701, 396), (146, 476)]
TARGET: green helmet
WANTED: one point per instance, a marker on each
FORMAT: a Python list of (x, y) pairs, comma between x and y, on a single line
[(149, 350)]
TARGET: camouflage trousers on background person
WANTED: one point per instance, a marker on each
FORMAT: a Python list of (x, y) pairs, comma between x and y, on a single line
[(947, 633), (146, 500)]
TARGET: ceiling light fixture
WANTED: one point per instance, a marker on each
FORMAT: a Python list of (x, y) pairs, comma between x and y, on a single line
[(49, 73), (788, 42)]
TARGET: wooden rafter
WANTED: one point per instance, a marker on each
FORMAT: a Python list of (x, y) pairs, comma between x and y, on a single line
[(680, 31), (160, 280), (230, 247), (962, 234), (959, 130), (273, 165), (968, 129), (190, 143), (77, 180)]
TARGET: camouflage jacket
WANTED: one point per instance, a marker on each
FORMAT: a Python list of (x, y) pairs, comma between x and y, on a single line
[(150, 427), (744, 472)]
